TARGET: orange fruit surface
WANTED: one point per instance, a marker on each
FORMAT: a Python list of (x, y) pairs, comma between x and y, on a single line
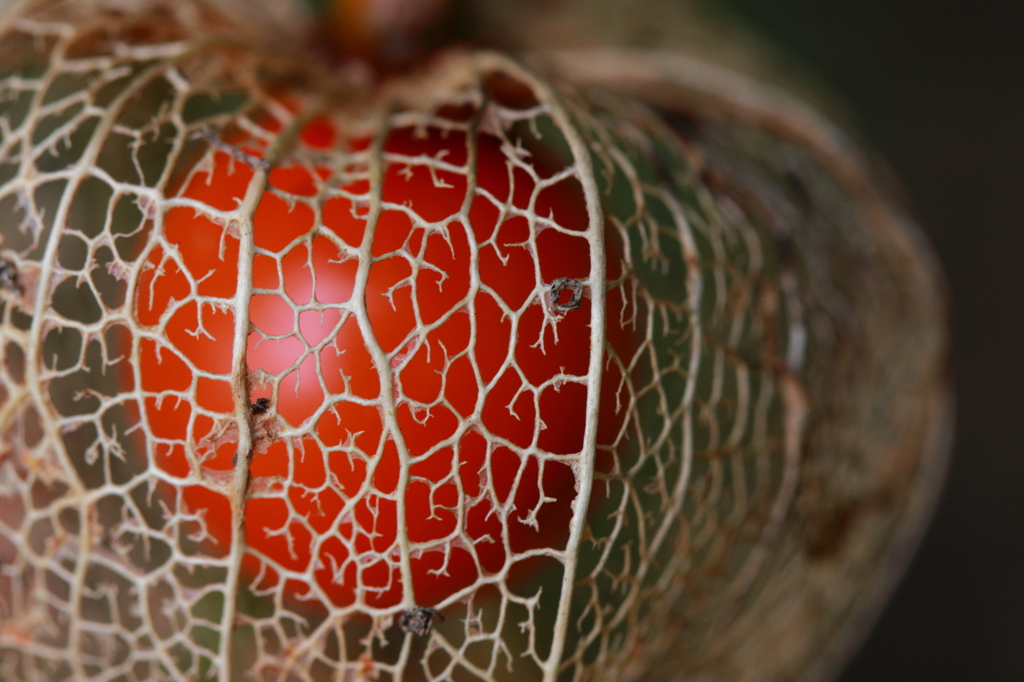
[(326, 494)]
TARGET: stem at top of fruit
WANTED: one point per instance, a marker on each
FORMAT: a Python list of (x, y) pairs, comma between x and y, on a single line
[(390, 34)]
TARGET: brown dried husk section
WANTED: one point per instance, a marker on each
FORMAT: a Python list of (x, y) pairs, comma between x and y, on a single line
[(782, 412)]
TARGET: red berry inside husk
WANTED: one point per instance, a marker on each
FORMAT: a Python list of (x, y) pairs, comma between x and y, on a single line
[(480, 373)]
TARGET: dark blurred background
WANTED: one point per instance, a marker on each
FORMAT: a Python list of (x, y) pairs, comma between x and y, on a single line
[(937, 89)]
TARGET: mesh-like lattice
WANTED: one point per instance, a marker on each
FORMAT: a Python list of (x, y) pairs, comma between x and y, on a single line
[(287, 381)]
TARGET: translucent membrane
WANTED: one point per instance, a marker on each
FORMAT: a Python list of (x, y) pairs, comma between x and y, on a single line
[(536, 359)]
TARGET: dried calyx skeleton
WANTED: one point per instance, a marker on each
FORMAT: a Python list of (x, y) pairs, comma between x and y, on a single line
[(725, 345)]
